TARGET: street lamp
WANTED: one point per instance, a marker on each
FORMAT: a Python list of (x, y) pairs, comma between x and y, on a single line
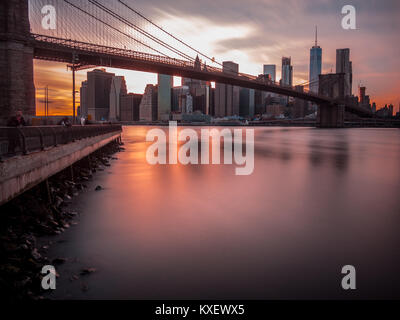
[(46, 100)]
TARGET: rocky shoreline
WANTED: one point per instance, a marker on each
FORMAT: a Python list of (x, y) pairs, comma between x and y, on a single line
[(41, 211)]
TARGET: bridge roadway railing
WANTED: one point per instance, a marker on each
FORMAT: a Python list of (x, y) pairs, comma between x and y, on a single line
[(23, 140)]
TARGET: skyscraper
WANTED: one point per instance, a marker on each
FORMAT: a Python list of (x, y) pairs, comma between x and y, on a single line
[(177, 94), (227, 96), (118, 89), (199, 91), (165, 83), (315, 64), (201, 98), (364, 100), (374, 107), (84, 98), (98, 99), (287, 72), (148, 104), (344, 65), (271, 70), (130, 107), (269, 74), (247, 105), (390, 110)]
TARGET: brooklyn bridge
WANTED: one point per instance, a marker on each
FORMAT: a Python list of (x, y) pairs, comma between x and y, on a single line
[(114, 34)]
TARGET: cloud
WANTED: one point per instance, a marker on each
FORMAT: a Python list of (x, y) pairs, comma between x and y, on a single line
[(285, 28)]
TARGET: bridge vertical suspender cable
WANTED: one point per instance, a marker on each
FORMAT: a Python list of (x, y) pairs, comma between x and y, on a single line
[(110, 26), (145, 33), (172, 36), (168, 33)]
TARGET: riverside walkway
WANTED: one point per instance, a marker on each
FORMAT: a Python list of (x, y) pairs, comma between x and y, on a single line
[(30, 155)]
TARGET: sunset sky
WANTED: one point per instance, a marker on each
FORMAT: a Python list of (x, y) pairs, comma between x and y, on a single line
[(257, 32)]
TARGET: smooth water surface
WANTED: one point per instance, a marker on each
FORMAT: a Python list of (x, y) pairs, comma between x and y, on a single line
[(316, 201)]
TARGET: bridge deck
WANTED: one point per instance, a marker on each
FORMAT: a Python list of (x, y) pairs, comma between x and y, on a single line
[(65, 50)]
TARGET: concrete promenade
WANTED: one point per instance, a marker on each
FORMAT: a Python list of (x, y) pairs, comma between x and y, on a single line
[(20, 173)]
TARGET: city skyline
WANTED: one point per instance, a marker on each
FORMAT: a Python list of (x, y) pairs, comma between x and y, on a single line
[(238, 37)]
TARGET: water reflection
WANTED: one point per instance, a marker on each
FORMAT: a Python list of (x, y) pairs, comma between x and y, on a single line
[(332, 148), (317, 200)]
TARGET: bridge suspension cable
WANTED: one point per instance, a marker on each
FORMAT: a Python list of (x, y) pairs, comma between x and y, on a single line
[(169, 34), (152, 37), (110, 26), (111, 23), (308, 83), (140, 30)]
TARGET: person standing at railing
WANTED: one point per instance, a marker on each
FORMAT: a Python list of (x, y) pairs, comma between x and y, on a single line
[(17, 120), (13, 137), (65, 122)]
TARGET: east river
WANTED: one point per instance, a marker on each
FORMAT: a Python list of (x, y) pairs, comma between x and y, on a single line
[(317, 200)]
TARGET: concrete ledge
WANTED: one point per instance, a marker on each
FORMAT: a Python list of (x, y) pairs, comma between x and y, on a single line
[(19, 174)]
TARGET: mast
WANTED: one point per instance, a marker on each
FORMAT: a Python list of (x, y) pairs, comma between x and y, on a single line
[(316, 36)]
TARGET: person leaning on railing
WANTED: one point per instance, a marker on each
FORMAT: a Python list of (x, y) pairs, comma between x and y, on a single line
[(65, 122), (17, 120), (13, 138)]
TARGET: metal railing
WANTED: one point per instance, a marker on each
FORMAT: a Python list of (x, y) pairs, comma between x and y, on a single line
[(17, 141)]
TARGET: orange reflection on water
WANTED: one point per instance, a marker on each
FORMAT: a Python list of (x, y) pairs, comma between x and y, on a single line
[(317, 200)]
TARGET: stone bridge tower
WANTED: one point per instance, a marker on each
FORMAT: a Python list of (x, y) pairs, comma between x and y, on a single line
[(332, 86), (17, 90)]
